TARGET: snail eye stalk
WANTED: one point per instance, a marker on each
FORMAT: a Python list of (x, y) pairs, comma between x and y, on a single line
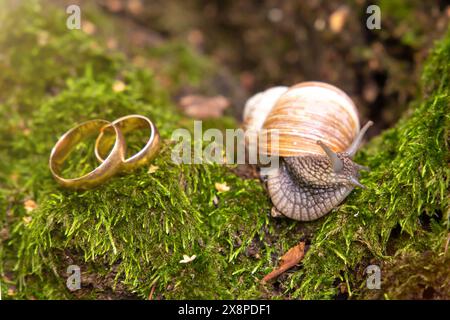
[(360, 167), (355, 182), (336, 163), (351, 151)]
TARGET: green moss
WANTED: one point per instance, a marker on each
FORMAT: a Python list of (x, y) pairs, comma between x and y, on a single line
[(133, 231), (137, 226)]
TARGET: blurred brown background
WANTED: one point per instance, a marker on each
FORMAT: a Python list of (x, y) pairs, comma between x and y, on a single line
[(258, 44)]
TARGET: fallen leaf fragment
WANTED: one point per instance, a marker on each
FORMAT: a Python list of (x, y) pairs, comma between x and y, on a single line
[(135, 7), (152, 169), (215, 200), (112, 43), (222, 187), (338, 19), (27, 220), (42, 38), (288, 260), (29, 205), (11, 291), (114, 5), (187, 259), (195, 37), (201, 107), (118, 86), (88, 27), (4, 234)]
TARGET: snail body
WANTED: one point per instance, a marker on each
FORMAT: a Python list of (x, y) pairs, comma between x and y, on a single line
[(318, 134)]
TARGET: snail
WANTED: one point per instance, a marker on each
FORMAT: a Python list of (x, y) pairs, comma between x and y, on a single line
[(318, 135)]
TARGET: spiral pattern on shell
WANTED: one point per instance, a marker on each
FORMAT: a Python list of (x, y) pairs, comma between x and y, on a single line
[(302, 115)]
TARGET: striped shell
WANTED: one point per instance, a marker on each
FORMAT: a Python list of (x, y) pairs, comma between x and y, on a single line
[(302, 115), (258, 107)]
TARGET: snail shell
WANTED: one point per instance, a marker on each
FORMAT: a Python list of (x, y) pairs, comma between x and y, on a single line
[(258, 107), (318, 133), (302, 115)]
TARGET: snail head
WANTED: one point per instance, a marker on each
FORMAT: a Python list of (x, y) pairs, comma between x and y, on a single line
[(344, 170)]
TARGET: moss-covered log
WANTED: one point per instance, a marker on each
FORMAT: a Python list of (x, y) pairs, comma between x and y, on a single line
[(129, 235)]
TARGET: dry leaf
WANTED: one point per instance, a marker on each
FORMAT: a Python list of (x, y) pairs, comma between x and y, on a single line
[(195, 37), (215, 200), (11, 291), (187, 259), (118, 86), (288, 260), (201, 107), (112, 43), (135, 7), (88, 27), (338, 18), (42, 38), (114, 5), (29, 205), (27, 220), (152, 169), (221, 187), (4, 234), (320, 24)]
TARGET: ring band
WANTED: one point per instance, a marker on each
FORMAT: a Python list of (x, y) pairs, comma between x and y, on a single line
[(127, 124), (65, 145)]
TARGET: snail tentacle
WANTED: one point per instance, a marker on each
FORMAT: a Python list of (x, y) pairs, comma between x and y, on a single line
[(355, 182), (335, 161), (360, 167), (351, 151)]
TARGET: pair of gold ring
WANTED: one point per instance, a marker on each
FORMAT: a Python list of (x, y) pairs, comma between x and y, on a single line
[(110, 164)]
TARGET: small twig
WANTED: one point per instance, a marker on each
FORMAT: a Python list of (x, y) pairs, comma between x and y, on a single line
[(150, 296), (446, 244)]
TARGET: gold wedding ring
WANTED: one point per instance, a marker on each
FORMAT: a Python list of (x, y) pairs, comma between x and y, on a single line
[(73, 137), (127, 124), (110, 149)]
